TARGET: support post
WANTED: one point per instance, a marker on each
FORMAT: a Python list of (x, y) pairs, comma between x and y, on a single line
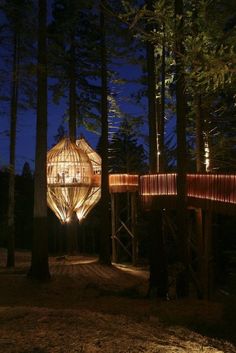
[(124, 227), (113, 227), (133, 228), (208, 256)]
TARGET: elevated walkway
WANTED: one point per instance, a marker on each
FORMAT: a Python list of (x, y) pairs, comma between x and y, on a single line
[(216, 192)]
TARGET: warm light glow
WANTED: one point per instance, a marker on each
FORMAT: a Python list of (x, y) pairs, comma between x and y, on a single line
[(153, 185), (74, 182), (207, 156), (123, 183), (158, 184), (94, 194), (215, 187), (212, 187), (90, 201), (69, 177), (93, 156)]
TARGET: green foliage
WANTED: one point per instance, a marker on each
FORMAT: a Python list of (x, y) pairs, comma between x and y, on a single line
[(209, 66)]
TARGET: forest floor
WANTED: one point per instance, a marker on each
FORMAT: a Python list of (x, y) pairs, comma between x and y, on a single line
[(90, 308)]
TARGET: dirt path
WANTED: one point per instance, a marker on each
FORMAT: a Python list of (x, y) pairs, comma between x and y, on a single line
[(89, 308)]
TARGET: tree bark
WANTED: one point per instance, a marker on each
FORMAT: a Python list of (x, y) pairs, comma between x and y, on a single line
[(203, 218), (72, 242), (158, 277), (11, 187), (152, 103), (39, 262), (182, 232), (158, 274), (200, 166), (72, 92), (199, 136), (104, 253), (161, 127)]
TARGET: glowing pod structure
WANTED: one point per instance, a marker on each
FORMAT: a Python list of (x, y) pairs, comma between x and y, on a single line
[(94, 194), (69, 178)]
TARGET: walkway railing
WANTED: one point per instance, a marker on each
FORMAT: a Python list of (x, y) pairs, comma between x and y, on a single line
[(158, 184), (217, 188), (123, 182)]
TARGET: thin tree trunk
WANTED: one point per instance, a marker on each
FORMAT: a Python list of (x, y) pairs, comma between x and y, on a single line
[(203, 218), (161, 128), (11, 190), (72, 242), (104, 254), (199, 136), (152, 108), (182, 232), (209, 165), (208, 271), (39, 262), (72, 93), (200, 166)]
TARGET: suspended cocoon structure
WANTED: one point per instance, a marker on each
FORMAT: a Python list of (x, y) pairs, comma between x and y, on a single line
[(69, 178), (95, 191)]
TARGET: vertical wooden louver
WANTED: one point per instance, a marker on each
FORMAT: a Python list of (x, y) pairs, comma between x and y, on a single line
[(69, 178), (94, 194)]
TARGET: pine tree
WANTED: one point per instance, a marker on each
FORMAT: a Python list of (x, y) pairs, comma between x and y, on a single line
[(26, 171), (125, 154)]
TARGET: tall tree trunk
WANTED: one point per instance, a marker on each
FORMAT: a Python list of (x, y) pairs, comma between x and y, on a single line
[(200, 166), (208, 273), (203, 225), (72, 243), (104, 254), (182, 232), (203, 218), (72, 92), (39, 262), (208, 148), (199, 136), (161, 125), (157, 259), (152, 103), (11, 190)]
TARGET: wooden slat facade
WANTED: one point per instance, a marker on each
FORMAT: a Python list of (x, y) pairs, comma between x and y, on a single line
[(123, 183), (216, 192)]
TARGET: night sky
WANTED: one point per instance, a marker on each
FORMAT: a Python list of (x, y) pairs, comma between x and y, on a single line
[(26, 119), (26, 125)]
